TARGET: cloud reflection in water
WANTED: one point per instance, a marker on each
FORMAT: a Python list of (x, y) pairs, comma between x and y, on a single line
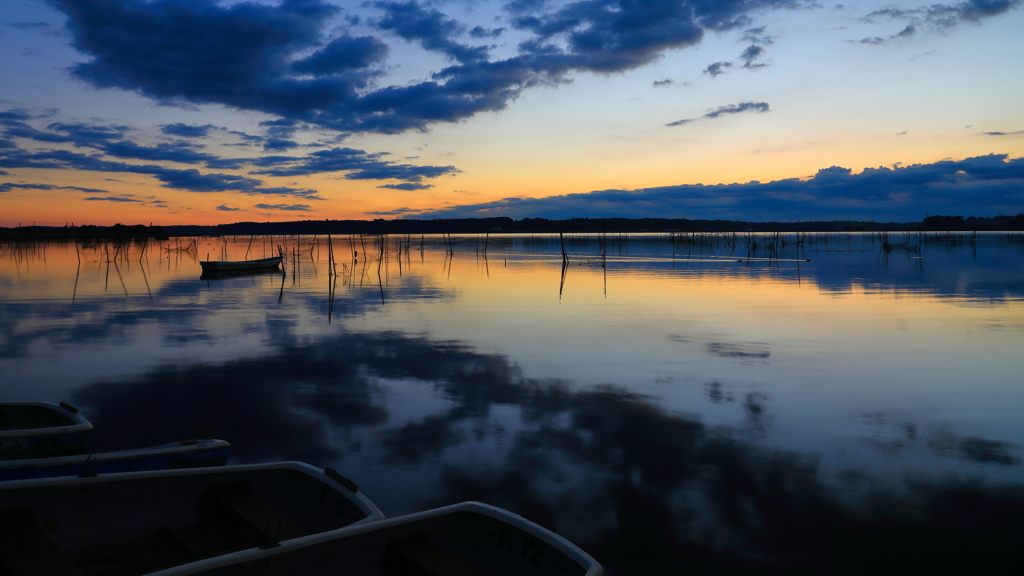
[(645, 490)]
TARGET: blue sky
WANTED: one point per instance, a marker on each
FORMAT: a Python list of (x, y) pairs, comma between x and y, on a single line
[(189, 111)]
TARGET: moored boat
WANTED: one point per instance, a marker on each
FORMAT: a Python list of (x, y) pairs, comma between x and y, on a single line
[(143, 522), (185, 454), (467, 539), (40, 429), (240, 265)]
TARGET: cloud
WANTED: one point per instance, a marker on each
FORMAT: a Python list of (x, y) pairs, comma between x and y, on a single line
[(940, 16), (481, 32), (979, 185), (907, 32), (276, 59), (226, 208), (114, 199), (408, 186), (395, 212), (757, 36), (358, 164), (663, 83), (7, 187), (717, 68), (758, 107), (187, 130), (279, 144), (28, 25), (189, 179), (750, 55), (431, 28), (294, 207), (342, 55), (1004, 133)]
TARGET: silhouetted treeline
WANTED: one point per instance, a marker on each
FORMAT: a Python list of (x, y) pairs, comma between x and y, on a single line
[(87, 232), (506, 225), (592, 225)]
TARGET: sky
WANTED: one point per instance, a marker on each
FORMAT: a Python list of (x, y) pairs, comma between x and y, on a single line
[(202, 112)]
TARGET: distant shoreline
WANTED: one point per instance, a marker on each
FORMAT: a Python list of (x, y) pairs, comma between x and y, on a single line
[(507, 226)]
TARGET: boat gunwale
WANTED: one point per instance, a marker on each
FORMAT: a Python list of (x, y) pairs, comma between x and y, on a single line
[(81, 423), (95, 457), (373, 514), (222, 265), (560, 543)]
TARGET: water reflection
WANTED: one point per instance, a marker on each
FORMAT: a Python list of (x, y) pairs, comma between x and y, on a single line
[(670, 409), (646, 490)]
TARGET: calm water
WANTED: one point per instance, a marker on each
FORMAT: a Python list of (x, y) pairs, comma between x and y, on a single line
[(671, 407)]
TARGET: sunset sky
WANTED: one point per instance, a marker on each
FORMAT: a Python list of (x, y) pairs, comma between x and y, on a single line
[(201, 112)]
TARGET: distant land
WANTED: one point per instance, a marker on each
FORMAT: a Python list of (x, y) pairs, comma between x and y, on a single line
[(508, 225)]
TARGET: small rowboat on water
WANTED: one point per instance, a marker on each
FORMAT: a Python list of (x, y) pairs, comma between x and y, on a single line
[(40, 429), (143, 522), (241, 265), (186, 454), (467, 539)]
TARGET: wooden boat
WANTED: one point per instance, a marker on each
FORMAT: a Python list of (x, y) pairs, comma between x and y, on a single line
[(468, 539), (143, 522), (40, 429), (186, 454), (240, 265)]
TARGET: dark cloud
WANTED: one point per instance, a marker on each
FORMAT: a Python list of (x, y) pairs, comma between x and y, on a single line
[(717, 68), (226, 208), (939, 16), (395, 212), (247, 138), (358, 164), (28, 25), (759, 107), (757, 36), (181, 152), (1004, 133), (750, 56), (247, 55), (519, 7), (408, 186), (481, 32), (279, 144), (984, 184), (190, 179), (110, 140), (293, 207), (114, 199), (7, 187), (431, 28), (342, 55), (663, 82), (187, 130), (907, 32)]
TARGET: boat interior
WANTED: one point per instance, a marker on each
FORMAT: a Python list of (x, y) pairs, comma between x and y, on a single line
[(459, 544), (29, 417), (128, 528)]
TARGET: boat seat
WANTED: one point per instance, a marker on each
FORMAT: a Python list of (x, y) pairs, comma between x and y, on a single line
[(25, 550), (416, 555), (235, 502)]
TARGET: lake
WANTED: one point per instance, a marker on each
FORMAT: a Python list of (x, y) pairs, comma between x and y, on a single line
[(722, 404)]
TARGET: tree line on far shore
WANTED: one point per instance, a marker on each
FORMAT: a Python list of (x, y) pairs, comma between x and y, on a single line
[(506, 225)]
